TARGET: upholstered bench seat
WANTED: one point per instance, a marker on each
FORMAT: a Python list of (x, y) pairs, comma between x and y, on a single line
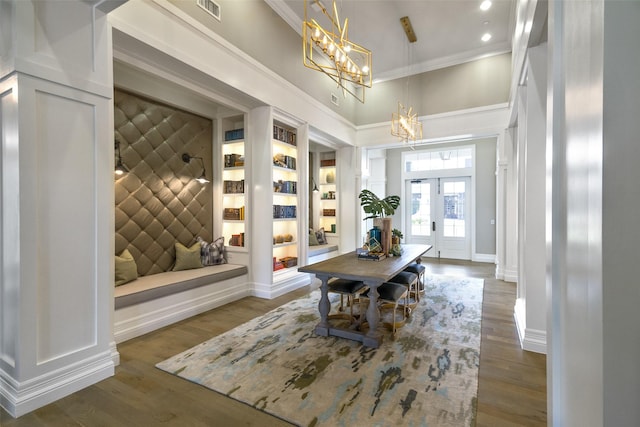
[(321, 249), (158, 285)]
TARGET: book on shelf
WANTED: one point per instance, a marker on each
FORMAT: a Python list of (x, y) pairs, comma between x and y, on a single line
[(284, 161), (284, 135), (234, 134), (284, 211), (233, 187), (233, 213), (327, 162), (237, 240), (233, 160), (289, 187)]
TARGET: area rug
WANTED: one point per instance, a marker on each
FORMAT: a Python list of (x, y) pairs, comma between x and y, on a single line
[(426, 376)]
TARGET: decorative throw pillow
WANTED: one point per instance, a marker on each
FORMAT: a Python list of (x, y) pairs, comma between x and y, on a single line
[(187, 258), (322, 240), (126, 268), (313, 240), (212, 253)]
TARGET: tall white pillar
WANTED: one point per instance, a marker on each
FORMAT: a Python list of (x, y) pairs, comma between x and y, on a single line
[(530, 308), (56, 289), (592, 228)]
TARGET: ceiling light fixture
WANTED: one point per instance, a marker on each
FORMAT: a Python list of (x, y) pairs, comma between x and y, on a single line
[(404, 123), (187, 159), (347, 63)]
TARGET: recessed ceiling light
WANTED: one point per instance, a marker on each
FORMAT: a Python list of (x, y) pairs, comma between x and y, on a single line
[(485, 5), (486, 37)]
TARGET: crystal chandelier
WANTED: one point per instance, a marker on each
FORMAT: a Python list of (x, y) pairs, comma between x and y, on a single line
[(404, 123), (330, 51)]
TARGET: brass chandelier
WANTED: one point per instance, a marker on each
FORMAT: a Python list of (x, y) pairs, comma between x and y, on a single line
[(404, 123), (330, 51)]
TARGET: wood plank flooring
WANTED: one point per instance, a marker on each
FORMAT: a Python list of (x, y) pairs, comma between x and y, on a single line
[(511, 389)]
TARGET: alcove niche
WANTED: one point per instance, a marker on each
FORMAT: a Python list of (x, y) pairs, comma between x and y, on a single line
[(159, 202)]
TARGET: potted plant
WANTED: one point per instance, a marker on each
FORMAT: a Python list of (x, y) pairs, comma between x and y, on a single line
[(375, 207), (396, 235)]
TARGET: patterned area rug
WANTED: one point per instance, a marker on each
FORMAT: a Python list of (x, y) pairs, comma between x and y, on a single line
[(427, 376)]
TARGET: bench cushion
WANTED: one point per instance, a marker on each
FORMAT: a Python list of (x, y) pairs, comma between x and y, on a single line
[(158, 285), (321, 249)]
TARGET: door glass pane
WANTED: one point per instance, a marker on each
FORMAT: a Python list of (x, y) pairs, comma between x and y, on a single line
[(454, 200), (420, 209)]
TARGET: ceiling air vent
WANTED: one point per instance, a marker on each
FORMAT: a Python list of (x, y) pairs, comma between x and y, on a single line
[(211, 7)]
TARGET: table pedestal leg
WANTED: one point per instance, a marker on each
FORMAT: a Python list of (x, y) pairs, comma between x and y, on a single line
[(323, 307), (373, 337)]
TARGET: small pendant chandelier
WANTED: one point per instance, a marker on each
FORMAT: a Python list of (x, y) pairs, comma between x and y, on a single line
[(404, 123)]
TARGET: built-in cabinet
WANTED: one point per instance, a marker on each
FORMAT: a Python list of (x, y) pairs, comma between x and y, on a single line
[(234, 190), (285, 198), (328, 196)]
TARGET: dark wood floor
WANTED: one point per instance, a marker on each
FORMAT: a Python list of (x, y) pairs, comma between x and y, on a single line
[(511, 390)]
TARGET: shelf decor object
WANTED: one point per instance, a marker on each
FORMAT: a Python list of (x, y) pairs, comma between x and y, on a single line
[(347, 63)]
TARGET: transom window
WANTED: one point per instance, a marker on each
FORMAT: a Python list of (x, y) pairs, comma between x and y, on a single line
[(456, 158)]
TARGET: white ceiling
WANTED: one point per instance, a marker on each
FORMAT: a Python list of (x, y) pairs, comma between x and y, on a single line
[(448, 31)]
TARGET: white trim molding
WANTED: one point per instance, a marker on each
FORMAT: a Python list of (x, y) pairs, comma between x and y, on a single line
[(533, 340)]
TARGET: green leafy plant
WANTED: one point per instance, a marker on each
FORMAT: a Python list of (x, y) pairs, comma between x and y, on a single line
[(375, 207), (397, 233)]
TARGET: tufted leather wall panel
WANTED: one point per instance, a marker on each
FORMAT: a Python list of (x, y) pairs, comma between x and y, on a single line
[(159, 202)]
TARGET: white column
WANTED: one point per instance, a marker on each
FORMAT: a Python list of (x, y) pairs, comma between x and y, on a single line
[(530, 309), (348, 202), (56, 289), (258, 140), (593, 231)]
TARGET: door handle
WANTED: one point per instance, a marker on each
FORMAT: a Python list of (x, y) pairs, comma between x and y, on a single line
[(433, 226)]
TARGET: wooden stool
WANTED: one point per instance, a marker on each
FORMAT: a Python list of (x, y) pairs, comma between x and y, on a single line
[(410, 280), (419, 269), (352, 289), (390, 295)]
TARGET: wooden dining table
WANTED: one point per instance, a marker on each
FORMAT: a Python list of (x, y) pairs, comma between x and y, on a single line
[(373, 274)]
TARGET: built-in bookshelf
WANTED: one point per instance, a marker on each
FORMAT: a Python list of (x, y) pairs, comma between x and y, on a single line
[(285, 197), (234, 196), (328, 195)]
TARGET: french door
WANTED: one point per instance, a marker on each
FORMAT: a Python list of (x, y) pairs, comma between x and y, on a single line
[(438, 215)]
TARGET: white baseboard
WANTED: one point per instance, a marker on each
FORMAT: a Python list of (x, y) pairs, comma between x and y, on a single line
[(19, 398), (535, 340), (530, 339), (284, 282), (506, 275), (139, 319), (491, 258), (115, 354)]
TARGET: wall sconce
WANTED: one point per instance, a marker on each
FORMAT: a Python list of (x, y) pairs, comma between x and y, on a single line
[(120, 167), (315, 186), (187, 159)]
